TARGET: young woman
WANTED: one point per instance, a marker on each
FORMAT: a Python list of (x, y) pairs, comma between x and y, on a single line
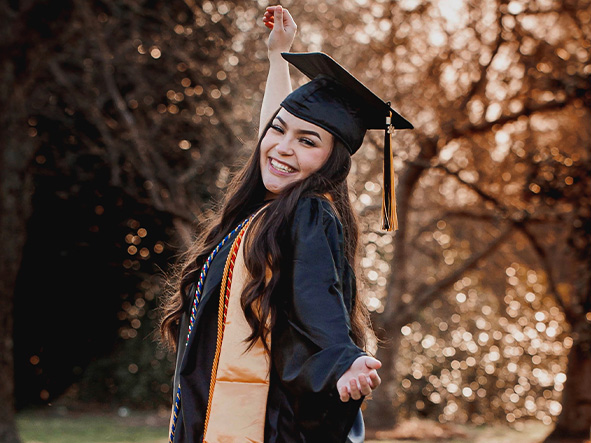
[(268, 330)]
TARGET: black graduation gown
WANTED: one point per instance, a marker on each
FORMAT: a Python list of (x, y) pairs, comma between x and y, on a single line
[(311, 345)]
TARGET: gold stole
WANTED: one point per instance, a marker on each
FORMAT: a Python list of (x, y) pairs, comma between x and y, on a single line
[(240, 380)]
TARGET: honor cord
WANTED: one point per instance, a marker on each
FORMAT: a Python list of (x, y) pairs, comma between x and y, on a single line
[(196, 300)]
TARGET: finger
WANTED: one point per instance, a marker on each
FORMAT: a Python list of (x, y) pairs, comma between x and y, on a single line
[(374, 379), (373, 363), (354, 388), (288, 19), (344, 393), (364, 384), (268, 20), (279, 16)]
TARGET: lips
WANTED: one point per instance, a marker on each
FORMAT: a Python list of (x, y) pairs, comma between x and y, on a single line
[(281, 167)]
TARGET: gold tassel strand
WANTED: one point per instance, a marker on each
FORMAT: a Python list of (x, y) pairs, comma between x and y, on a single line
[(389, 217)]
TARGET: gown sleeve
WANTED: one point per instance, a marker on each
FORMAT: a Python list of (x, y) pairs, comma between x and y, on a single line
[(312, 342)]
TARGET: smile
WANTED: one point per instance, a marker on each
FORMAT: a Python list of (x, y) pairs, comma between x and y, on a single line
[(282, 167)]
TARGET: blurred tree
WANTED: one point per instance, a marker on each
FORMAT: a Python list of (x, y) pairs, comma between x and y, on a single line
[(496, 89), (136, 92), (17, 151)]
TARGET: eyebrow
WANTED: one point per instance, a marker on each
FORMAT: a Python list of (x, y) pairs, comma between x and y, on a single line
[(303, 131)]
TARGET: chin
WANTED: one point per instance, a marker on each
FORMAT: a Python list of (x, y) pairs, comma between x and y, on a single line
[(275, 186)]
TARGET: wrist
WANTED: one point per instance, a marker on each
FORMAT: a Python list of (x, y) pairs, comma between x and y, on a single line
[(275, 54)]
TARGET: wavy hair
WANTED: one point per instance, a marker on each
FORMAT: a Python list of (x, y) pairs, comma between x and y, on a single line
[(245, 191)]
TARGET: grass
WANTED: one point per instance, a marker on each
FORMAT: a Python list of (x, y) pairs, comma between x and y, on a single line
[(528, 432), (63, 426), (37, 427)]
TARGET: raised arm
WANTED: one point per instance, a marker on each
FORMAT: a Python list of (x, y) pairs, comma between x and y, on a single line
[(283, 29)]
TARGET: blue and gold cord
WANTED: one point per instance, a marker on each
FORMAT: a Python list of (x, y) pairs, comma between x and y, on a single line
[(196, 300)]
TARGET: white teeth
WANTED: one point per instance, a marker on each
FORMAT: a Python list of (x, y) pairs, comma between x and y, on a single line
[(281, 166)]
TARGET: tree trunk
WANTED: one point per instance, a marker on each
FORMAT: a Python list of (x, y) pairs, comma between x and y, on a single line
[(15, 204), (380, 413), (8, 270), (574, 423), (16, 152)]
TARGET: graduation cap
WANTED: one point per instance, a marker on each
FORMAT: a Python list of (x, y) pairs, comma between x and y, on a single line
[(339, 103)]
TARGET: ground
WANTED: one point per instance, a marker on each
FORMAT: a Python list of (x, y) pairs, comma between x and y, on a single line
[(60, 425)]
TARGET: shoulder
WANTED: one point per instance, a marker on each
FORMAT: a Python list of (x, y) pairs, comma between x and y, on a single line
[(315, 222), (316, 211)]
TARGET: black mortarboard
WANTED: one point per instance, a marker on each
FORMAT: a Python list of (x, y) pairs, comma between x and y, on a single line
[(339, 103)]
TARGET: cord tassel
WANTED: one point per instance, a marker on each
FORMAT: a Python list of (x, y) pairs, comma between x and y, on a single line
[(389, 217)]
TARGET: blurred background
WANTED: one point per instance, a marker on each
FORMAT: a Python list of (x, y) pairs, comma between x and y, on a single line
[(122, 122)]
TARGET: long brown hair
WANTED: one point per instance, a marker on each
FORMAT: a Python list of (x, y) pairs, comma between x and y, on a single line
[(246, 191)]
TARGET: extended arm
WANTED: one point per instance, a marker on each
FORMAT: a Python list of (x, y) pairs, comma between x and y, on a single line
[(283, 29), (316, 350)]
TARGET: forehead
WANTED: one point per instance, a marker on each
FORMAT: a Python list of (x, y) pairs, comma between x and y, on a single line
[(297, 123)]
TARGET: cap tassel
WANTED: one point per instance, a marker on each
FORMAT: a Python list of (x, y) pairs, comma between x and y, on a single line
[(389, 217)]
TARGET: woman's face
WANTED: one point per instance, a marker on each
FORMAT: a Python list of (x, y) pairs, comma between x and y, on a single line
[(291, 150)]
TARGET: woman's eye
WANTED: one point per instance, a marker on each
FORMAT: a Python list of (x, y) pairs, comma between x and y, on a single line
[(307, 142), (277, 128)]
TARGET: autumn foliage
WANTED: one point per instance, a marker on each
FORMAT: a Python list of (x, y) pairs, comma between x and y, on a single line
[(481, 300)]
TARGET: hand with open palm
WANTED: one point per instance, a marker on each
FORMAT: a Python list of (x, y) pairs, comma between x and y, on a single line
[(360, 379)]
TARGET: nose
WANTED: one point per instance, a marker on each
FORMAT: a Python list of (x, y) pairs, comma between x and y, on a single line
[(284, 147)]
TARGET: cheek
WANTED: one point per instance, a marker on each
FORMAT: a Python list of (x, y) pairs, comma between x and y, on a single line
[(264, 146), (264, 151), (313, 161)]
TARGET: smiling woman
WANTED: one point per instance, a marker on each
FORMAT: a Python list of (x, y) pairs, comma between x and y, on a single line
[(268, 329), (292, 150)]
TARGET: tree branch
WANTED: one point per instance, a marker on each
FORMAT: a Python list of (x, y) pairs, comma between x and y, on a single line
[(546, 264), (485, 196), (149, 157), (426, 293), (477, 85), (473, 129)]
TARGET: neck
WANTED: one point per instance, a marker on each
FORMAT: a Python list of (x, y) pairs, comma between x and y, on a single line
[(270, 195)]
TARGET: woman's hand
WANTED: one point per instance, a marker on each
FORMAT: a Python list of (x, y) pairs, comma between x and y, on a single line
[(283, 29), (360, 379)]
